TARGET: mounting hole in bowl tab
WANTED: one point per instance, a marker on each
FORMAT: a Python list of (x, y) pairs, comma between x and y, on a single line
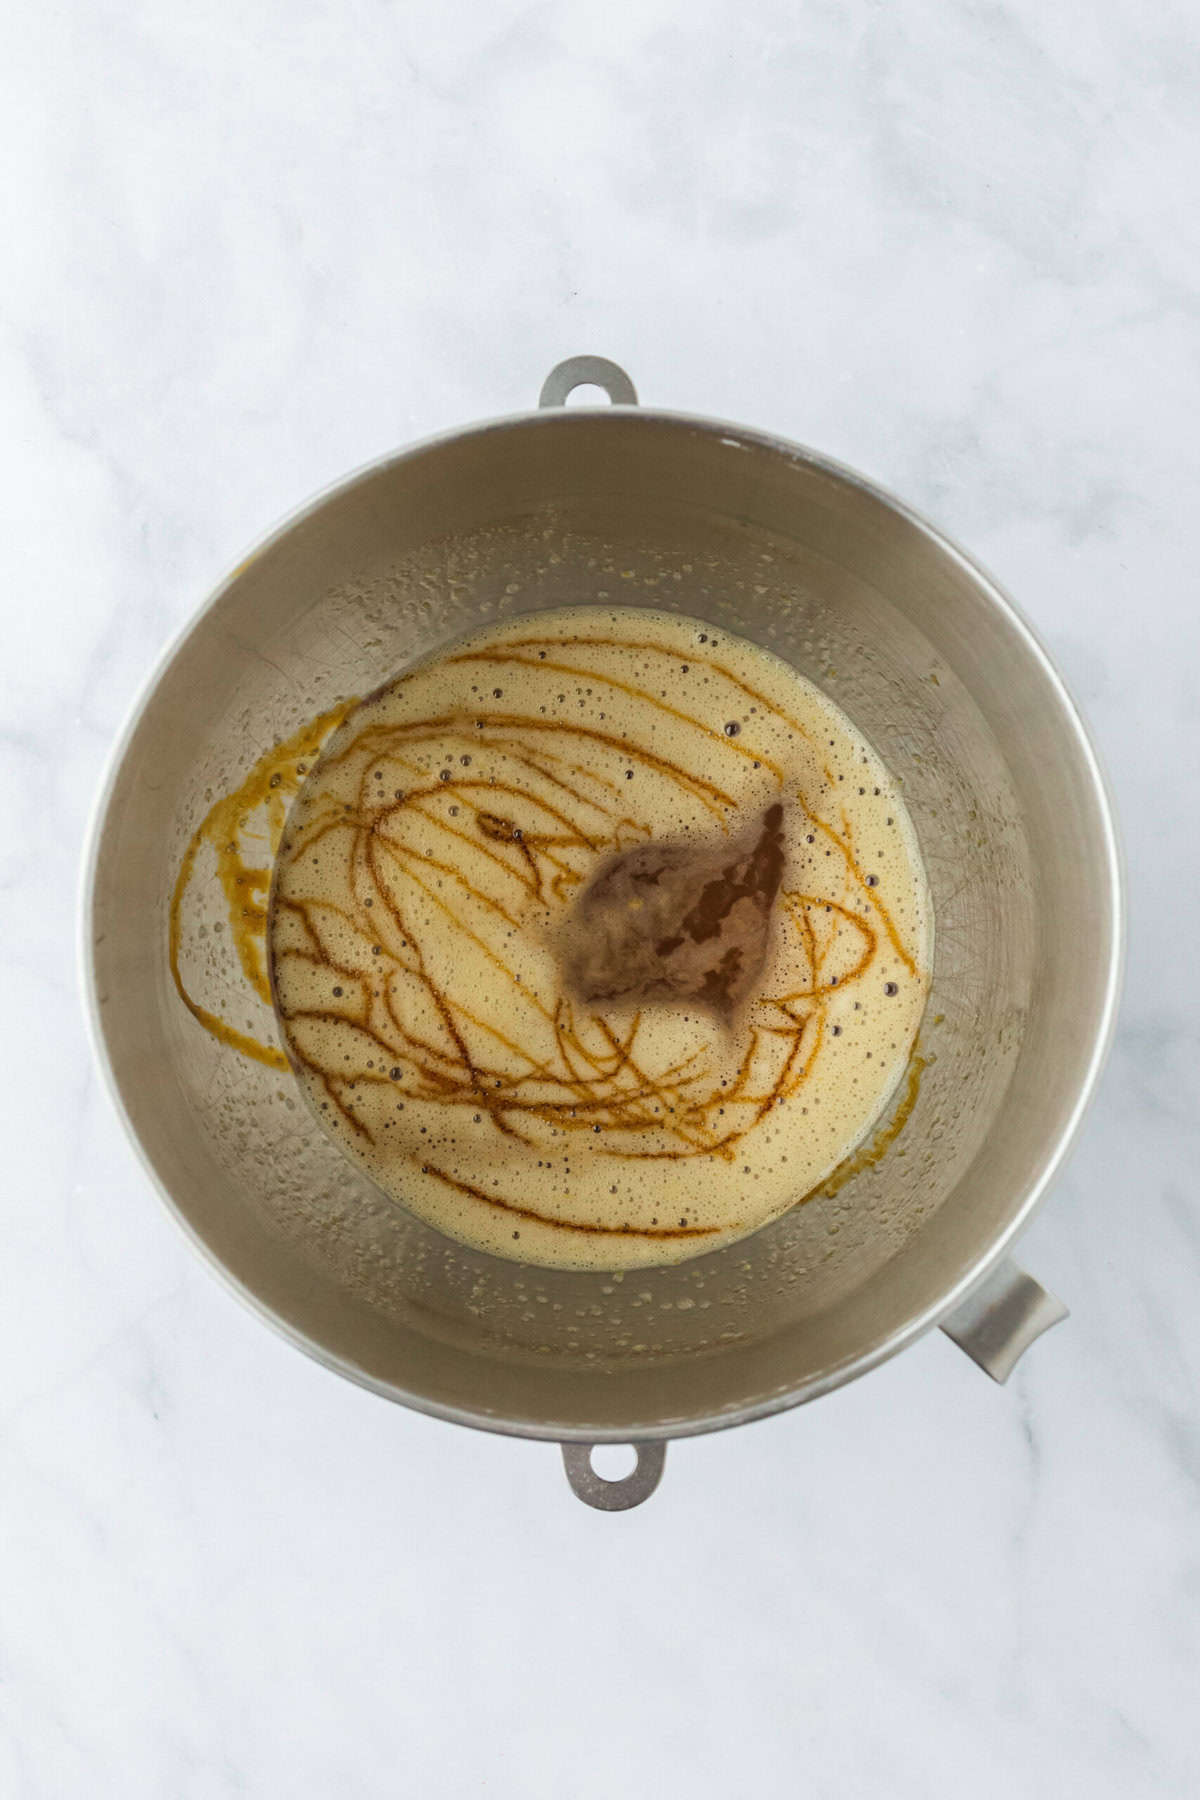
[(586, 394), (587, 371), (608, 1494), (613, 1462)]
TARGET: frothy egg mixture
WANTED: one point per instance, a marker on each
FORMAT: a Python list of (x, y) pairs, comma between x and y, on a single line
[(493, 950)]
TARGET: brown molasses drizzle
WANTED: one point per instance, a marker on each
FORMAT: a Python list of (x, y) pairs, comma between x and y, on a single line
[(541, 822)]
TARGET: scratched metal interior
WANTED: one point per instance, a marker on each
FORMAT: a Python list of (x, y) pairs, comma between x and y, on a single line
[(644, 510)]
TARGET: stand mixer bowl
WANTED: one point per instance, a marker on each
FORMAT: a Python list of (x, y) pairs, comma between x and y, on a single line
[(623, 505)]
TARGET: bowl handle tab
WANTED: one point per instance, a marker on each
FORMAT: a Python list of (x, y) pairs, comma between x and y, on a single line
[(587, 371), (996, 1324), (614, 1496)]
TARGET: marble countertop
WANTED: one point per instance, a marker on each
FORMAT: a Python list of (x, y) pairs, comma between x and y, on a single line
[(247, 247)]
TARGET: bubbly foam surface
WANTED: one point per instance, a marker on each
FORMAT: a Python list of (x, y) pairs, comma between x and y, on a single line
[(427, 884)]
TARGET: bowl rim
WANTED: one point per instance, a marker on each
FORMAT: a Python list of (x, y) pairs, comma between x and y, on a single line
[(736, 436)]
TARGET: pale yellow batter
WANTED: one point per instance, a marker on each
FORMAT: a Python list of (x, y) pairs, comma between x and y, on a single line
[(422, 894)]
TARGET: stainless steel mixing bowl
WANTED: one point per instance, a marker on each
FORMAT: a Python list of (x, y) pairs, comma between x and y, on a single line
[(915, 642)]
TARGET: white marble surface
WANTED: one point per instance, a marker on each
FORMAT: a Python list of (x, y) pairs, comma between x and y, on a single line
[(248, 246)]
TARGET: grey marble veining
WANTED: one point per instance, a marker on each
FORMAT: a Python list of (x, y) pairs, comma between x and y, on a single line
[(247, 247)]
